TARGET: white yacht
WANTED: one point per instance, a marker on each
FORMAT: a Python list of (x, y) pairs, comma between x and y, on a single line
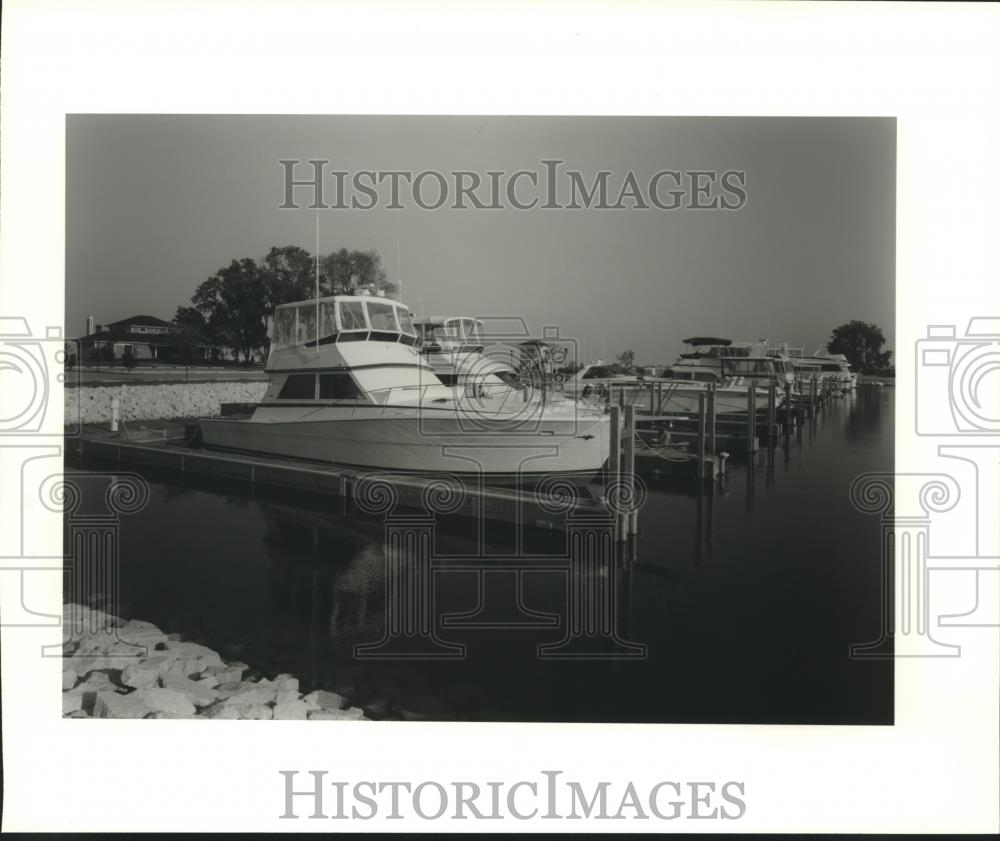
[(823, 365), (349, 387), (680, 395), (454, 345), (728, 363)]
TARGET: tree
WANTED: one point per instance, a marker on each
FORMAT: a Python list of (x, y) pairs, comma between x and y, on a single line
[(233, 306), (128, 358), (191, 331), (348, 271), (233, 303), (626, 358), (289, 274), (862, 344)]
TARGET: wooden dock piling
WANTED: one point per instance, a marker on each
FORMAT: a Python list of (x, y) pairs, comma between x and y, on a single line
[(628, 466), (772, 411), (751, 418), (615, 458), (702, 435), (712, 421)]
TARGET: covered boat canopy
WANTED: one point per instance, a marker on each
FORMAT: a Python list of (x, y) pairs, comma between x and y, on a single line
[(707, 340), (450, 332), (341, 318)]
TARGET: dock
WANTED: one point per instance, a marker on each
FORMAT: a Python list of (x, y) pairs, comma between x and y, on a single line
[(646, 442)]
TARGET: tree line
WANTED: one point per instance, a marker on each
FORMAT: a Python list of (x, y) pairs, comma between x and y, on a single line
[(231, 308), (859, 341), (862, 343)]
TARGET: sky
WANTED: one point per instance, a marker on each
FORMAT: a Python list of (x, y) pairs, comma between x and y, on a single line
[(158, 203)]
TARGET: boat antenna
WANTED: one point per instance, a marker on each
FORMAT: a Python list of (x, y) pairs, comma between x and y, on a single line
[(399, 265), (317, 285)]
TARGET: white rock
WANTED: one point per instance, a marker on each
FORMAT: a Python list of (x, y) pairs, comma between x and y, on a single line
[(69, 678), (286, 683), (113, 705), (325, 700), (72, 700), (246, 693), (239, 711), (350, 714), (145, 674), (291, 710), (168, 701), (286, 697), (198, 692)]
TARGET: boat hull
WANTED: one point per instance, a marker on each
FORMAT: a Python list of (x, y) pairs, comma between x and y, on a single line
[(727, 401), (574, 448)]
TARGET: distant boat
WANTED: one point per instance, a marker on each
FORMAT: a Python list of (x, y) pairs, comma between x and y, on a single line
[(594, 380), (833, 367), (727, 363), (349, 387), (454, 345)]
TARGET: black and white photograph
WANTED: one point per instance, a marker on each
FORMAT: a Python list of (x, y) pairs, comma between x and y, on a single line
[(493, 420), (445, 426)]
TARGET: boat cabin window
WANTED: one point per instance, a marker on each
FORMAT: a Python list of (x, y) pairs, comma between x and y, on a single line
[(382, 316), (406, 322), (284, 328), (305, 327), (433, 334), (299, 387), (747, 367), (338, 387), (463, 328), (352, 315)]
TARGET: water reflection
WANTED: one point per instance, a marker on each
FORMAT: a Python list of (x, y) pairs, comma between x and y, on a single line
[(727, 612)]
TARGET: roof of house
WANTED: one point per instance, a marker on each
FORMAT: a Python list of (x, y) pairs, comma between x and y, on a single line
[(141, 320), (130, 337)]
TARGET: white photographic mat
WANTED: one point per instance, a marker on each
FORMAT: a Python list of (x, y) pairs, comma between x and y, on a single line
[(934, 69)]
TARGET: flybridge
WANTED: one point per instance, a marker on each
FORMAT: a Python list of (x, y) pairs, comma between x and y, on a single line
[(341, 318)]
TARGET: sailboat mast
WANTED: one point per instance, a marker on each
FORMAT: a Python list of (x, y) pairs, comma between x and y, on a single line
[(317, 284)]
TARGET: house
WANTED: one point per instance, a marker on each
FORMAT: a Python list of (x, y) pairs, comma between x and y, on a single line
[(148, 338)]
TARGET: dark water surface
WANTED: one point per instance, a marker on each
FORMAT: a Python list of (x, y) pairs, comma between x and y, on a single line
[(746, 598)]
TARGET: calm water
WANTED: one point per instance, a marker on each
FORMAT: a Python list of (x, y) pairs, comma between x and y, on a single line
[(746, 597)]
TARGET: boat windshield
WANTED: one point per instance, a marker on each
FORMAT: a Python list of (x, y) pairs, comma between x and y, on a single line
[(438, 333), (463, 328), (382, 316), (748, 367)]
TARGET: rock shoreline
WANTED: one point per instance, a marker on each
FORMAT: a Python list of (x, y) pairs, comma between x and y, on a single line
[(92, 404), (126, 668)]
